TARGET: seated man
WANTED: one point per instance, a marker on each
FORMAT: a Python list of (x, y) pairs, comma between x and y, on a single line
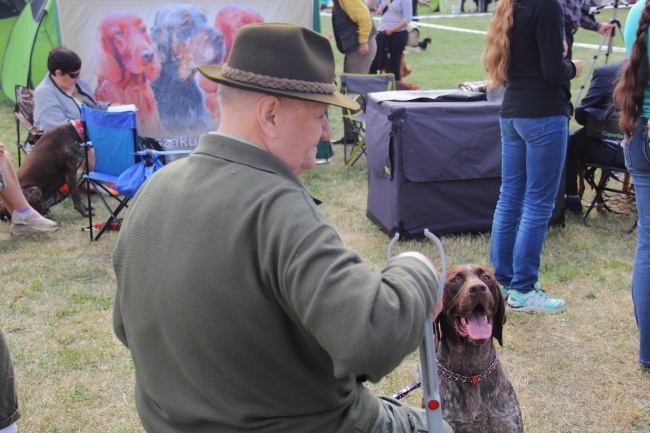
[(260, 319), (597, 103), (24, 219)]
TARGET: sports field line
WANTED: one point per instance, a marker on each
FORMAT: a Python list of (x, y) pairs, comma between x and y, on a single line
[(483, 32)]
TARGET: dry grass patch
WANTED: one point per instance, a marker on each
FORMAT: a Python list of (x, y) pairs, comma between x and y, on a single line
[(574, 372)]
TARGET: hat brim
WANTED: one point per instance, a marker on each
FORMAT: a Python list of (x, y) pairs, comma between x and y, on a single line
[(213, 72)]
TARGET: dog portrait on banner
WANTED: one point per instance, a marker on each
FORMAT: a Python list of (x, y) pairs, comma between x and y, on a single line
[(146, 54)]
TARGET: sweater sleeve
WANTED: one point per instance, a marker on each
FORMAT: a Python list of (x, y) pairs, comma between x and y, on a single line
[(549, 30), (366, 321), (359, 13)]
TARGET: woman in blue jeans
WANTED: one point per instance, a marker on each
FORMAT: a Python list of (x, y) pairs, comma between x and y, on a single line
[(633, 95), (525, 54)]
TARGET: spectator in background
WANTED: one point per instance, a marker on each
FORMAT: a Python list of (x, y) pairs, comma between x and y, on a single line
[(524, 54), (598, 104), (351, 21), (392, 37), (356, 61), (632, 94), (58, 98), (9, 410), (24, 219), (417, 3), (575, 17)]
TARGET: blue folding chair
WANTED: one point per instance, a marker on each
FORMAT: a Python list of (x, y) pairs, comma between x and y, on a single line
[(114, 137), (118, 162)]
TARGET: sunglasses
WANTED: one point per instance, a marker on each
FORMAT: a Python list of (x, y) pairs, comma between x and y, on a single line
[(73, 74)]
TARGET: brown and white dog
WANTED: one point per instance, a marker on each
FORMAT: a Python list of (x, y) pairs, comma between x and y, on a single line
[(125, 64), (476, 395), (53, 162)]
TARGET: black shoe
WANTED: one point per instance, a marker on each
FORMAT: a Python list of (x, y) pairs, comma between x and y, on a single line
[(574, 204)]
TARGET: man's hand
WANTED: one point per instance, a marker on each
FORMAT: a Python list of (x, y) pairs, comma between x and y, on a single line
[(606, 28), (579, 66), (363, 49)]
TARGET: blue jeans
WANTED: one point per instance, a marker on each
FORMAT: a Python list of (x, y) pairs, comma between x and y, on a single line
[(533, 152), (637, 161)]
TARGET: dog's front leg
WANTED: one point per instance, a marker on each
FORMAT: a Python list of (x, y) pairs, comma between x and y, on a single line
[(75, 193)]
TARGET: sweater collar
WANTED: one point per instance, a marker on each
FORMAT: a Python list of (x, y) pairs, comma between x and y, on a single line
[(242, 152)]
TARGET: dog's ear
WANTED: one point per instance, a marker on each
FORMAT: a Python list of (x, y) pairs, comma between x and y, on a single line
[(437, 333), (107, 63), (160, 37), (499, 318)]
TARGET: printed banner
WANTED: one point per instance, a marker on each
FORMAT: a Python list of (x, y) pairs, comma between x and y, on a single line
[(146, 53)]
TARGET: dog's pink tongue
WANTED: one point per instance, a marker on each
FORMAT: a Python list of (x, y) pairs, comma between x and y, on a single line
[(478, 327)]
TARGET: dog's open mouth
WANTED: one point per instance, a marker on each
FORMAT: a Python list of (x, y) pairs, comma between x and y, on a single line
[(476, 327)]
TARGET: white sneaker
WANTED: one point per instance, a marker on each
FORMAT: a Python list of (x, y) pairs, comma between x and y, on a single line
[(534, 301), (23, 224)]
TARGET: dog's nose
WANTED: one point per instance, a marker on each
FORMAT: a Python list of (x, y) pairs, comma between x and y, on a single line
[(146, 55), (477, 288)]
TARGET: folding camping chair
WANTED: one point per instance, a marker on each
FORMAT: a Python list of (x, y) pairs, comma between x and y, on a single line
[(613, 189), (114, 137), (356, 87), (24, 114)]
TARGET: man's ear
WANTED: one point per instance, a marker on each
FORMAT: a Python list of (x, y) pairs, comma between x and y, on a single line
[(268, 110)]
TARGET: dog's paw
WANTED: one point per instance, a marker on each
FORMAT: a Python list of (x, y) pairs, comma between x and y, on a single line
[(84, 211)]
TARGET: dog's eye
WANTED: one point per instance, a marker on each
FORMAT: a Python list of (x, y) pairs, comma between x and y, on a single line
[(486, 277), (455, 280), (119, 32)]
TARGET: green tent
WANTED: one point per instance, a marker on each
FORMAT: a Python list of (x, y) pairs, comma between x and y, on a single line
[(28, 31)]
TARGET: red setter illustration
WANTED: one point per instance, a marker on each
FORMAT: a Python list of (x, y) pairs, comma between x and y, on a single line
[(125, 64), (229, 19)]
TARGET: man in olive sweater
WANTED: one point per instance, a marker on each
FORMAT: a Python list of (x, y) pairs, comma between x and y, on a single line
[(241, 307)]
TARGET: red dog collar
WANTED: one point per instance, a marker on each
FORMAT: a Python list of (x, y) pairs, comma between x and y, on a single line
[(79, 128)]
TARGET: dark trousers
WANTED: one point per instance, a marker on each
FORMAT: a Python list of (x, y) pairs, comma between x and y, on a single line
[(9, 412), (589, 149), (389, 51)]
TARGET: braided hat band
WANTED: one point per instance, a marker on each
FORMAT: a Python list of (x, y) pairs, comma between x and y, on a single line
[(281, 59), (277, 83)]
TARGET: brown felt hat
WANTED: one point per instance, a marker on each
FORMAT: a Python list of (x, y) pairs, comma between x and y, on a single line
[(283, 60)]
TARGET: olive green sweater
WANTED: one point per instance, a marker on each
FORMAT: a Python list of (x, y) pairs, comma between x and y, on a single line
[(243, 310)]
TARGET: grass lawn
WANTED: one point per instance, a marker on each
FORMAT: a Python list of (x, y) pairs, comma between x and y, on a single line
[(573, 372)]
